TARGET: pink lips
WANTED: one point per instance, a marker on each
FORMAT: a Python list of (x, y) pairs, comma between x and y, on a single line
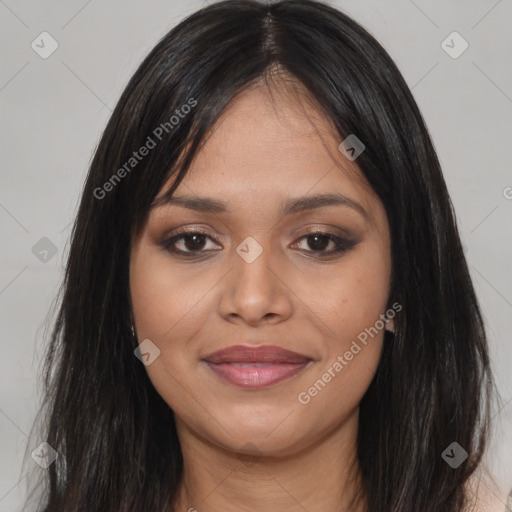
[(256, 367)]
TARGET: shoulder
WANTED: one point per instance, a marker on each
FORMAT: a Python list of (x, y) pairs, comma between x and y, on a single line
[(484, 495)]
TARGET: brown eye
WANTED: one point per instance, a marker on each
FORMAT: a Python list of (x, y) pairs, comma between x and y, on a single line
[(191, 243), (318, 242)]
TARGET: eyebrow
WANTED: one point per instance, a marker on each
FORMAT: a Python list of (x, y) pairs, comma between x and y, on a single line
[(294, 205)]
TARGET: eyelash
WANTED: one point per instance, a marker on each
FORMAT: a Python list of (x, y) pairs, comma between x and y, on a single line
[(343, 245)]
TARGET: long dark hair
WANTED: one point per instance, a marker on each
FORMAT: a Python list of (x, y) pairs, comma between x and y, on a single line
[(115, 436)]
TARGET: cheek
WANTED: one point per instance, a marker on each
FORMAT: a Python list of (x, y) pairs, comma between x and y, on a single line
[(350, 304), (351, 298), (162, 296), (169, 307), (158, 307)]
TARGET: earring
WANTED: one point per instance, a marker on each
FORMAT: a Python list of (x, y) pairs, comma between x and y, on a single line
[(133, 330)]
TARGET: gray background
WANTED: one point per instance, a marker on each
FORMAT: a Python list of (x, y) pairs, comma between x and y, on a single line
[(54, 110)]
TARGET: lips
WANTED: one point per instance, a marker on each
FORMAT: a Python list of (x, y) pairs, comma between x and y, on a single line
[(256, 366), (261, 354)]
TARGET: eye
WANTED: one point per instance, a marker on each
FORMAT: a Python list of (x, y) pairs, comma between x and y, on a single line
[(319, 241), (192, 243), (195, 243)]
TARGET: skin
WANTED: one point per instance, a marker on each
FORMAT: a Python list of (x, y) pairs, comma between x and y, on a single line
[(261, 449)]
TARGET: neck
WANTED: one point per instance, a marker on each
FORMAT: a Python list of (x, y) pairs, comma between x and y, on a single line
[(323, 477)]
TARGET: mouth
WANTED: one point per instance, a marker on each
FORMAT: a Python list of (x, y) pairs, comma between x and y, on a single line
[(256, 367)]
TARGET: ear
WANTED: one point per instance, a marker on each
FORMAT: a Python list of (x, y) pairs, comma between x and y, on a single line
[(390, 325)]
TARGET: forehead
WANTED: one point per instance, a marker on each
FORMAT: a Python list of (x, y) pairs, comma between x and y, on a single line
[(265, 148)]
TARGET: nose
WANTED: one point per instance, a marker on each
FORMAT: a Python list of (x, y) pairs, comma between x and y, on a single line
[(256, 292)]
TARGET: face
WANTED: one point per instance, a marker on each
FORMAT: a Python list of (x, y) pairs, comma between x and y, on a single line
[(248, 270)]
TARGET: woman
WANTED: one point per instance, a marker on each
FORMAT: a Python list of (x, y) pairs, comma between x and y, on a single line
[(266, 304)]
